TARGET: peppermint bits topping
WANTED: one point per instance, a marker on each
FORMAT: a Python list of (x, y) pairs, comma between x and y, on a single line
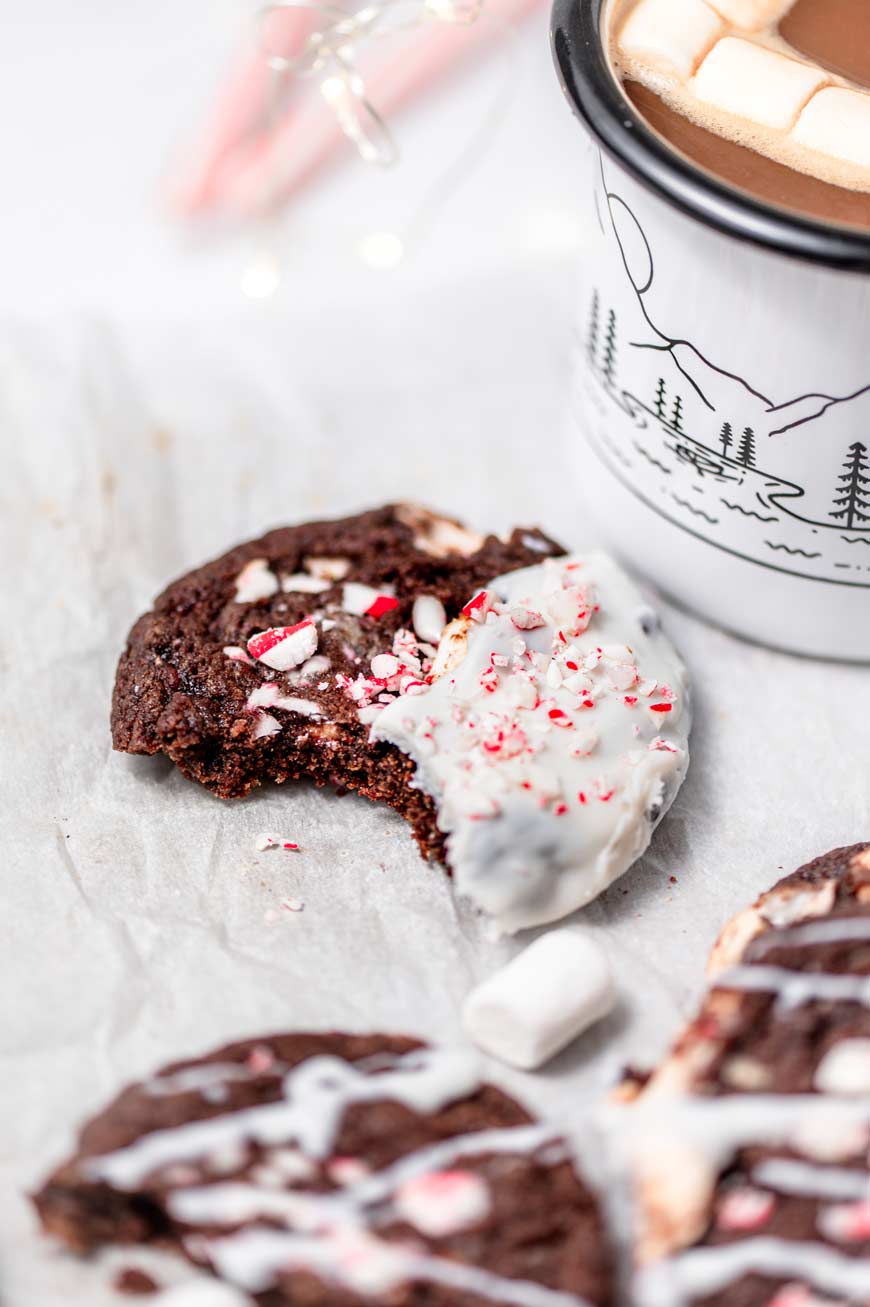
[(284, 647), (477, 608), (533, 711), (364, 601)]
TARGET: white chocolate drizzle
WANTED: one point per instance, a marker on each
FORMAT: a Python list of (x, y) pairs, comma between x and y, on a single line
[(702, 1271), (334, 1233), (315, 1096), (788, 1175), (699, 1136), (797, 987), (254, 1257)]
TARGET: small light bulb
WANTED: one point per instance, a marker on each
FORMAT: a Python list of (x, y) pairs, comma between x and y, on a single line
[(333, 89), (381, 249)]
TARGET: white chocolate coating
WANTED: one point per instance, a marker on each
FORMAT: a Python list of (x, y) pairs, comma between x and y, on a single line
[(554, 740), (545, 997)]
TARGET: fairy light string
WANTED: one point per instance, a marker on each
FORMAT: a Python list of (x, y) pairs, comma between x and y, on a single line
[(328, 56)]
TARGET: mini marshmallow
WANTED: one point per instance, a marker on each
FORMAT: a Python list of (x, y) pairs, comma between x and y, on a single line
[(756, 83), (752, 15), (543, 998), (837, 122), (674, 34)]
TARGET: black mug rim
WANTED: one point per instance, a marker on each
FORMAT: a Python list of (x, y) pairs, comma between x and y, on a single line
[(589, 84)]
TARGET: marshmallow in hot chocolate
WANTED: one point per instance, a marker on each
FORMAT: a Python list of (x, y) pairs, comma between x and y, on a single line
[(724, 66)]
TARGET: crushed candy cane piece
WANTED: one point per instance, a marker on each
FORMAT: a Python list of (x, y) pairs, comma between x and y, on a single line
[(846, 1222), (293, 905), (267, 841), (443, 1202), (266, 725), (477, 608), (384, 666), (383, 604), (526, 619), (745, 1209), (237, 654), (283, 647), (363, 600)]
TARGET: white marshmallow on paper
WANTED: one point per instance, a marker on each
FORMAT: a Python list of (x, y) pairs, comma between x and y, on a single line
[(837, 122), (752, 15), (675, 34), (756, 83), (545, 997)]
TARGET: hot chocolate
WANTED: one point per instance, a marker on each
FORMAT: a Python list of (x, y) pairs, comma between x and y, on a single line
[(771, 96)]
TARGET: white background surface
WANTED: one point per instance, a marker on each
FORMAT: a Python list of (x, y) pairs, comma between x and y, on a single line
[(150, 418)]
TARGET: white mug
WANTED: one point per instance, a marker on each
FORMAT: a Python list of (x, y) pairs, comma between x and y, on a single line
[(723, 380)]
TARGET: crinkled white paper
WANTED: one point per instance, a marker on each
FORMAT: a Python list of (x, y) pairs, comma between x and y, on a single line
[(139, 923)]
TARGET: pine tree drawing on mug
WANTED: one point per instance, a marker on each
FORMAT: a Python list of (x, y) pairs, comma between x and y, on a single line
[(677, 415), (853, 498), (594, 327), (608, 366), (746, 450), (661, 411), (726, 435)]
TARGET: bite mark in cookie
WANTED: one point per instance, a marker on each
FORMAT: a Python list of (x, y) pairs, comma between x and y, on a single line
[(340, 1170), (257, 667), (750, 1144), (527, 709), (552, 736)]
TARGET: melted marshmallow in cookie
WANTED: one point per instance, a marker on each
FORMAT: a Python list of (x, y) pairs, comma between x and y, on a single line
[(553, 739)]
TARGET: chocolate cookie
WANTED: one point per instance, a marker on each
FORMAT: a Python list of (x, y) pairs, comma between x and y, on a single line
[(342, 1170), (524, 712), (270, 662), (750, 1143)]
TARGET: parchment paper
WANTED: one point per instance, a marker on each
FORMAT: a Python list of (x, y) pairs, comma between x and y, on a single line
[(138, 924)]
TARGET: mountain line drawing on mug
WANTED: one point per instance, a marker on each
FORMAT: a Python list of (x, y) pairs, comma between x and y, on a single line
[(708, 450)]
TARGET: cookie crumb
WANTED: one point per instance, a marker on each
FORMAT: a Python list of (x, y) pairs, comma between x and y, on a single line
[(133, 1280), (267, 841)]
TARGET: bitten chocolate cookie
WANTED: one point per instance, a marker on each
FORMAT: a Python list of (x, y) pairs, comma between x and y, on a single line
[(750, 1144), (523, 711), (339, 1170), (271, 662)]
